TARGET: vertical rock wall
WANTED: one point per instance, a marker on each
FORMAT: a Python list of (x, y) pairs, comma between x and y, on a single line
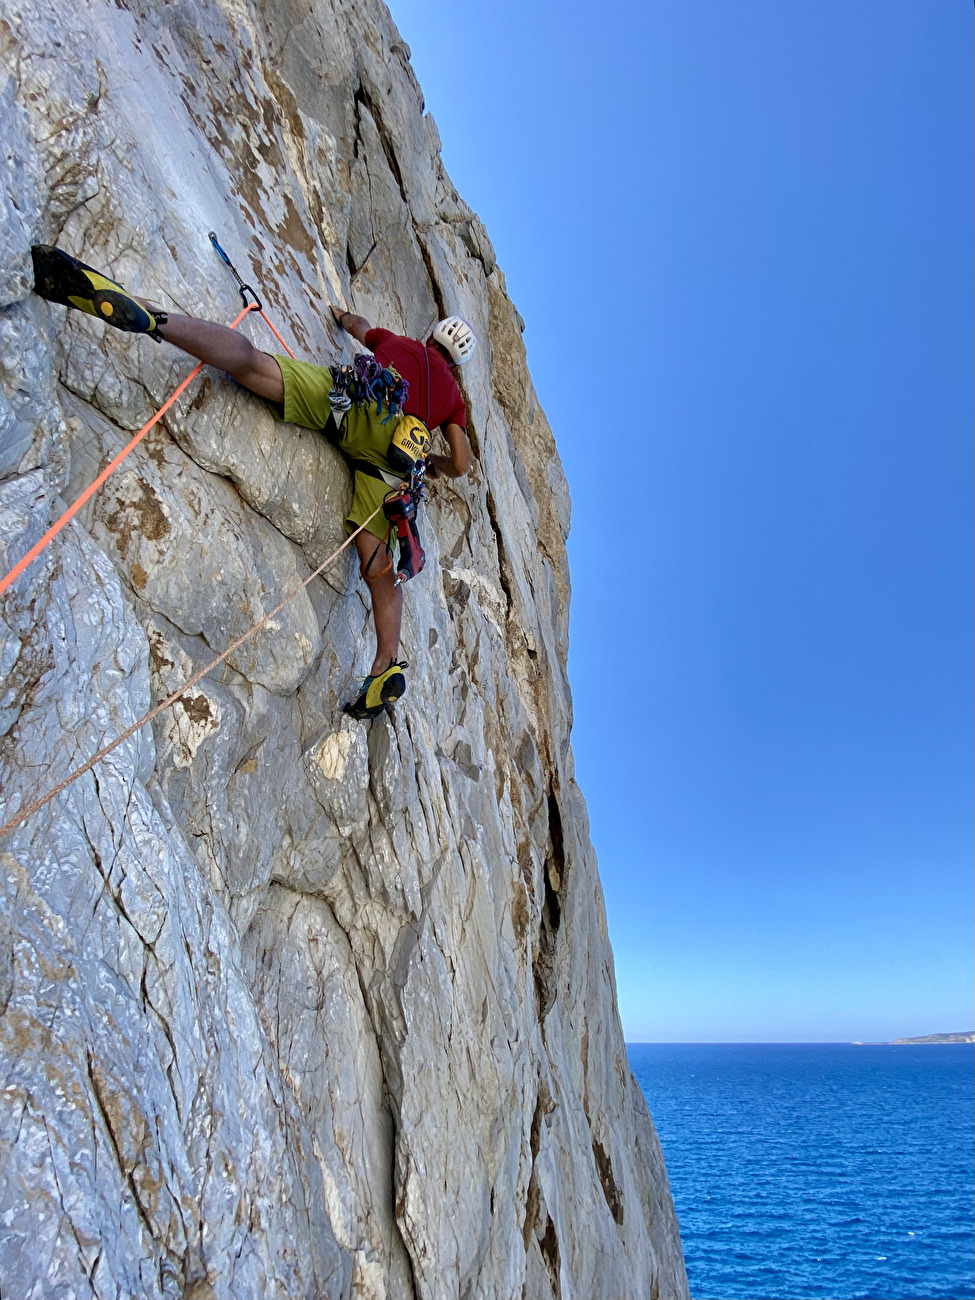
[(291, 1006)]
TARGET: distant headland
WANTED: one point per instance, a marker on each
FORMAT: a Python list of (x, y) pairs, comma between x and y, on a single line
[(968, 1037)]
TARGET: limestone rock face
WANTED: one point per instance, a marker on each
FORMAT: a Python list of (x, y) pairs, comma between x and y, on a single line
[(289, 1006)]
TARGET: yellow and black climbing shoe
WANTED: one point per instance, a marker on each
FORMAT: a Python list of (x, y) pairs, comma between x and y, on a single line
[(61, 278), (376, 692)]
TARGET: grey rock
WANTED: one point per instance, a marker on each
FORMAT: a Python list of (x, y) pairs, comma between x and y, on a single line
[(289, 1005)]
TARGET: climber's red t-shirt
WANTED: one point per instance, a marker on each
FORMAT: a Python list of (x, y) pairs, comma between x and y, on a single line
[(406, 356)]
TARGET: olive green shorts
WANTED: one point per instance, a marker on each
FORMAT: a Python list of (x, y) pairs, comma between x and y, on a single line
[(363, 437), (368, 494)]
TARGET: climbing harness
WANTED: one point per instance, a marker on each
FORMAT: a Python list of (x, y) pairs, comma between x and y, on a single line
[(361, 383)]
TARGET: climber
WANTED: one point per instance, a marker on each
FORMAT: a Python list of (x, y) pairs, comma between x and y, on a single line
[(433, 398), (300, 392)]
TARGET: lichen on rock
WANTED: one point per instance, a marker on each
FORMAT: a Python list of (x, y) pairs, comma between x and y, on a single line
[(289, 1006)]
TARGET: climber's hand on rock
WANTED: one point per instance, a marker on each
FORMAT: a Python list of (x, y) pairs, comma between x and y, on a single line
[(355, 325)]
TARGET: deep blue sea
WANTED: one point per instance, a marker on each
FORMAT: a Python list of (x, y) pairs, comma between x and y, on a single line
[(808, 1171)]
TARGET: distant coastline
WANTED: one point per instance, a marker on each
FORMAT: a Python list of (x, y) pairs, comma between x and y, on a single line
[(968, 1037)]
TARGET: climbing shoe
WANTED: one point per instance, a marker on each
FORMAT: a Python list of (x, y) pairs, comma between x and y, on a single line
[(61, 278), (376, 692)]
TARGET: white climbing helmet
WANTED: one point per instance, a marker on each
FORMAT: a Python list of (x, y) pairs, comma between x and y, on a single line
[(457, 337)]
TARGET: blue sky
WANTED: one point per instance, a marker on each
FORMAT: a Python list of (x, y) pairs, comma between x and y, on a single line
[(748, 222)]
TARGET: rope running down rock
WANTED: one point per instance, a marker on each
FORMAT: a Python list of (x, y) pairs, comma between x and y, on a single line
[(29, 811), (89, 491)]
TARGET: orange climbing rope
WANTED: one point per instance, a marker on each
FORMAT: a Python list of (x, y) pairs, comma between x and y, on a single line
[(260, 312), (171, 699), (89, 491)]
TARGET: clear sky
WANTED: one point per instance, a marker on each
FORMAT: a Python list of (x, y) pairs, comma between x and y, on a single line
[(739, 232)]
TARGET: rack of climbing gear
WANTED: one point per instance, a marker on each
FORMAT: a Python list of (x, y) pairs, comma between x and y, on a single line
[(365, 380)]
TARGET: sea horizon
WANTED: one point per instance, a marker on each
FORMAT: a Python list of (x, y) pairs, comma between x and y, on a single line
[(818, 1170), (786, 1042)]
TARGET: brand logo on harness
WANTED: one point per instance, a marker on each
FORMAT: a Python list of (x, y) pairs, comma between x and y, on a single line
[(410, 443)]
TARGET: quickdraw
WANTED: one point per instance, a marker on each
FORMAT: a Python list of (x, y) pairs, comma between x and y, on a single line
[(242, 288), (245, 289)]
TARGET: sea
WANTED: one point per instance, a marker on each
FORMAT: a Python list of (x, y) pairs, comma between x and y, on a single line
[(806, 1171)]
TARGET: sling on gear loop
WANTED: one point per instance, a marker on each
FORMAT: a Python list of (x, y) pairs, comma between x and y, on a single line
[(367, 381)]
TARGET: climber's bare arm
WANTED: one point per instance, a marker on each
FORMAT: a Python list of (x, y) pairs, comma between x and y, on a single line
[(459, 461), (355, 325), (216, 345)]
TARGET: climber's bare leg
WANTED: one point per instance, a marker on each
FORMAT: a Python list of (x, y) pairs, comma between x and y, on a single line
[(219, 346), (387, 602)]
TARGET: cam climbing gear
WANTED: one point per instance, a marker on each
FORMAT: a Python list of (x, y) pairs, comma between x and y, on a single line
[(365, 380), (61, 278), (376, 693), (457, 337)]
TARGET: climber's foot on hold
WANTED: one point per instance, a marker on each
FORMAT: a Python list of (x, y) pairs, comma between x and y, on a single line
[(58, 277), (375, 693)]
